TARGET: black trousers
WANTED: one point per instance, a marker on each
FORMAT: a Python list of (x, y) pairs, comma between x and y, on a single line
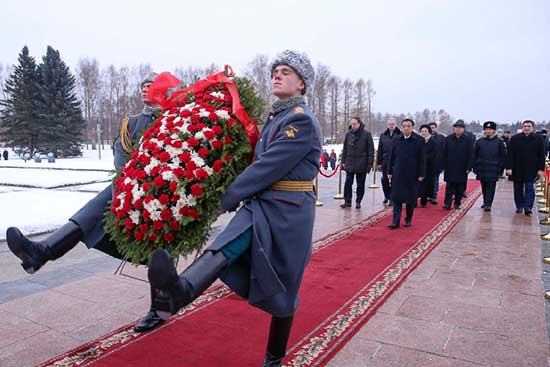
[(386, 186), (360, 178), (397, 209), (488, 189), (427, 188), (455, 189)]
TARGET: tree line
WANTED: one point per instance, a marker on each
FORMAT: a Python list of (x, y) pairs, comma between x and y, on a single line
[(45, 106)]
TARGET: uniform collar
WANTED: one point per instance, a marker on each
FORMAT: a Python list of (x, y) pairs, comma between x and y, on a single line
[(149, 111), (285, 104)]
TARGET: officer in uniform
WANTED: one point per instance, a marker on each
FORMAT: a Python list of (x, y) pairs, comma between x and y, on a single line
[(263, 251), (86, 225)]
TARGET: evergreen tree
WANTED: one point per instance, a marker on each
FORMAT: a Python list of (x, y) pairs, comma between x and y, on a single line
[(59, 112), (19, 123)]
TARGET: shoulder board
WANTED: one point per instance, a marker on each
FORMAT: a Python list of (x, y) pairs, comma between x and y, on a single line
[(299, 110), (125, 138)]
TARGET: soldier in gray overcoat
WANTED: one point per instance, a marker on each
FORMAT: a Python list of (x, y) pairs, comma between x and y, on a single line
[(263, 251), (86, 225)]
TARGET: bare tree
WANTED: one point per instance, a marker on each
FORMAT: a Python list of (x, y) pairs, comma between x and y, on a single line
[(359, 97), (89, 87), (370, 93), (258, 72), (189, 75), (334, 87), (319, 95)]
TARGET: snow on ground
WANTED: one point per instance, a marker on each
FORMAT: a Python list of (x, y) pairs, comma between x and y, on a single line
[(49, 178), (89, 160), (95, 187), (35, 211)]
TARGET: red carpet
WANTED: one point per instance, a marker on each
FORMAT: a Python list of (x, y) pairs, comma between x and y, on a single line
[(350, 275)]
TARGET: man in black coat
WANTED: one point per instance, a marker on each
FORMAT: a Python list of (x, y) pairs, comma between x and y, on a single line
[(357, 160), (489, 157), (457, 162), (427, 185), (406, 168), (524, 161), (439, 144), (383, 155), (5, 154)]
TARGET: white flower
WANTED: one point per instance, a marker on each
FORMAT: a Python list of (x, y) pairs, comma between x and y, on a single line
[(217, 94), (134, 216), (137, 193), (204, 113), (154, 162), (200, 135), (121, 197), (199, 162), (223, 114), (168, 176)]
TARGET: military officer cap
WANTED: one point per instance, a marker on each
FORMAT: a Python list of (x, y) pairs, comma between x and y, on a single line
[(299, 62), (149, 78), (459, 123), (489, 125)]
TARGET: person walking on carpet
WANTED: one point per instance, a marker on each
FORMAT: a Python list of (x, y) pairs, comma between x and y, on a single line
[(427, 185), (406, 168), (86, 225), (383, 154), (263, 251), (357, 160), (524, 161), (489, 157), (457, 162)]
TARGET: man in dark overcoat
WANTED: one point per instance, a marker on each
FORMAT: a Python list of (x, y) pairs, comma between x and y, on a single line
[(489, 157), (439, 144), (357, 160), (525, 160), (406, 168), (457, 163), (383, 155)]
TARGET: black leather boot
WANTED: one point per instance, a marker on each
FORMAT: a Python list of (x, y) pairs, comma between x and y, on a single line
[(174, 291), (151, 320), (279, 331), (35, 254)]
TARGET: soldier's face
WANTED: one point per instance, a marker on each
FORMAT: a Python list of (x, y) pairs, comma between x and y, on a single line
[(144, 90), (286, 83)]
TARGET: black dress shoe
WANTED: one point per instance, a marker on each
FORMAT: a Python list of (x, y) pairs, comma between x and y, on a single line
[(385, 201), (433, 201), (422, 205), (487, 208), (345, 205), (407, 223), (358, 206), (482, 206), (518, 211), (528, 211), (394, 225), (149, 322), (390, 203), (447, 207), (457, 206)]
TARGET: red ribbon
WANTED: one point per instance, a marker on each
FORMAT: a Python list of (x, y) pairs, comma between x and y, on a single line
[(331, 174), (157, 92)]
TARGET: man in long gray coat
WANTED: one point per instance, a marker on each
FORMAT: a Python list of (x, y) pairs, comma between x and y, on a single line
[(86, 225), (263, 251)]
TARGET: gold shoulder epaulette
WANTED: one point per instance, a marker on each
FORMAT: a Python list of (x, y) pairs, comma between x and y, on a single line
[(125, 138), (299, 110)]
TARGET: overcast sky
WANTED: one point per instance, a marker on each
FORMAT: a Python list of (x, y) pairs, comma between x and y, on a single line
[(479, 60)]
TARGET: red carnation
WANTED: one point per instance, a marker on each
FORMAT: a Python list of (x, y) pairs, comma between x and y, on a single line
[(227, 139), (138, 204), (158, 225), (185, 114), (213, 117), (159, 182), (196, 190), (143, 228), (173, 186), (189, 175), (144, 159), (168, 237), (190, 166), (146, 215), (164, 157), (146, 186), (164, 199), (129, 224), (174, 225), (134, 154), (138, 236), (141, 175), (217, 166), (201, 174), (185, 156), (195, 118), (175, 198), (217, 129), (149, 198), (192, 213), (193, 142), (177, 143), (153, 236), (227, 158), (161, 136), (155, 171), (166, 214), (216, 144), (203, 152), (209, 134), (178, 172)]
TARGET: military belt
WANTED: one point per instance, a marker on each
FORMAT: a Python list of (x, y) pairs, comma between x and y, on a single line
[(293, 186)]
